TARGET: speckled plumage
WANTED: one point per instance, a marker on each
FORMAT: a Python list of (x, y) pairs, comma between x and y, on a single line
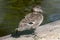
[(35, 18)]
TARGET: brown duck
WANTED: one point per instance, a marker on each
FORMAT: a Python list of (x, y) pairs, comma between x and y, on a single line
[(31, 20)]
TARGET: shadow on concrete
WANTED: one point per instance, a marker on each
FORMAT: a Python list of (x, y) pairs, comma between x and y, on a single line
[(17, 34)]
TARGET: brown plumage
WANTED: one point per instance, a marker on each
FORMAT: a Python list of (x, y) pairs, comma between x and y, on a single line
[(31, 20)]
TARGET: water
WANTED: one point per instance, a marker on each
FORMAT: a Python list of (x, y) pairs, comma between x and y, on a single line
[(51, 10), (1, 11), (10, 16)]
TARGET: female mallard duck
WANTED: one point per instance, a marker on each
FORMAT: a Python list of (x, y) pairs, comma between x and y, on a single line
[(31, 20)]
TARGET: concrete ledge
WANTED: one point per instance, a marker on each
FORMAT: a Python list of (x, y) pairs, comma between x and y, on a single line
[(50, 31)]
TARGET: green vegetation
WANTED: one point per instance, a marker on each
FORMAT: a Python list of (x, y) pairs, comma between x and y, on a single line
[(14, 11)]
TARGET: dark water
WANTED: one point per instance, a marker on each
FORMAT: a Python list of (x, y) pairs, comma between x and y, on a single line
[(51, 10)]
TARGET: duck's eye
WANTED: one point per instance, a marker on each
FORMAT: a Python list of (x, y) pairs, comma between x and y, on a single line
[(30, 22)]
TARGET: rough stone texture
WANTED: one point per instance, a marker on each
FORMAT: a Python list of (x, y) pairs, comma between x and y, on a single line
[(23, 37), (49, 31)]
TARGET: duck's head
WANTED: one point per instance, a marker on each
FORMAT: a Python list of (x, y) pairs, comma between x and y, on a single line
[(37, 9)]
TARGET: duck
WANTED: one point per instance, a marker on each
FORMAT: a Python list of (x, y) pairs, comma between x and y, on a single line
[(31, 20)]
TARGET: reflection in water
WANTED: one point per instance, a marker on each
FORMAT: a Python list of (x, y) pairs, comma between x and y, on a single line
[(54, 17), (51, 10), (1, 11)]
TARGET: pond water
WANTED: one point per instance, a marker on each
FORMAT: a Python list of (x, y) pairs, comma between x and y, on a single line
[(51, 10)]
